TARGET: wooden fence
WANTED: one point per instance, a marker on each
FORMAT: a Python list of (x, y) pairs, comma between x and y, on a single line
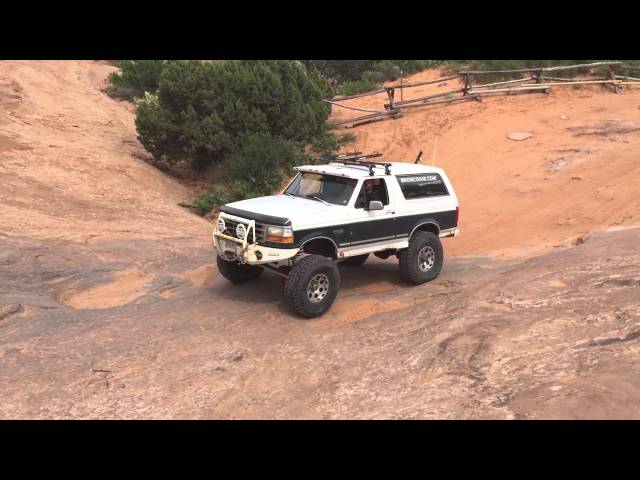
[(536, 80)]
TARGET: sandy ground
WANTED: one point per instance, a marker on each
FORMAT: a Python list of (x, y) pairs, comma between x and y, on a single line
[(111, 305)]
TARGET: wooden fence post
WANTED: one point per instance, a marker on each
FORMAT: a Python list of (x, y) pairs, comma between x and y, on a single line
[(612, 76), (467, 84), (391, 93), (538, 75)]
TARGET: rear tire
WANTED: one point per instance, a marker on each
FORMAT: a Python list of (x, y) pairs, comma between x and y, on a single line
[(355, 261), (422, 261), (312, 285), (236, 272)]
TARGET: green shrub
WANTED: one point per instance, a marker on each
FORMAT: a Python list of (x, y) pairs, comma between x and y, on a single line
[(388, 70), (340, 71), (630, 68), (203, 110), (259, 162), (135, 78), (207, 201), (455, 65), (374, 77), (359, 76), (156, 131), (256, 167), (330, 142), (358, 86)]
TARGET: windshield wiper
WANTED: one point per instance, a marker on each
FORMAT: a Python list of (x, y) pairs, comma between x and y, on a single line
[(290, 194), (318, 198)]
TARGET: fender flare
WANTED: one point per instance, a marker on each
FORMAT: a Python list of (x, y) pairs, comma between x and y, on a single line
[(428, 221), (319, 237)]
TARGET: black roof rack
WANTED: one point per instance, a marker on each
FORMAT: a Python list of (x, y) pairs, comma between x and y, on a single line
[(358, 159)]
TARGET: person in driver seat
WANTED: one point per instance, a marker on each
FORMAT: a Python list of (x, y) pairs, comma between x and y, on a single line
[(374, 191)]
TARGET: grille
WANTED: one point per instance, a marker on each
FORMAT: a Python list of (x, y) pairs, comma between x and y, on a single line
[(260, 231)]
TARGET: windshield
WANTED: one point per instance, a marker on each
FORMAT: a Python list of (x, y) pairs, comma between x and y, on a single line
[(330, 188)]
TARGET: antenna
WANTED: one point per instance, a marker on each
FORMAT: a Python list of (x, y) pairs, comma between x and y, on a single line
[(435, 146), (419, 157)]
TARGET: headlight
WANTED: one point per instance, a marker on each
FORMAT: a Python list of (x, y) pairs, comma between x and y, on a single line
[(221, 226), (279, 234), (241, 231), (280, 231)]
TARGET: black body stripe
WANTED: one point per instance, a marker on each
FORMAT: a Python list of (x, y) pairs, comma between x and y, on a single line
[(358, 233), (444, 221), (372, 240), (372, 231)]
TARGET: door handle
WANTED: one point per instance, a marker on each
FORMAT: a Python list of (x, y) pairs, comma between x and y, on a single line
[(390, 213)]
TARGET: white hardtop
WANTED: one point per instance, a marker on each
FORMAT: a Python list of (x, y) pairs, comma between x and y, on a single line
[(362, 171)]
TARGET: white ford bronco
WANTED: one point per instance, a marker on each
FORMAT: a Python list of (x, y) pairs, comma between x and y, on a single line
[(339, 213)]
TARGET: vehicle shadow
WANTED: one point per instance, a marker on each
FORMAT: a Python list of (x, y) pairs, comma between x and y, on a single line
[(376, 278), (269, 288), (266, 289), (374, 271)]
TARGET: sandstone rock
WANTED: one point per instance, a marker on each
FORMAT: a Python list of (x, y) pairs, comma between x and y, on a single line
[(519, 136)]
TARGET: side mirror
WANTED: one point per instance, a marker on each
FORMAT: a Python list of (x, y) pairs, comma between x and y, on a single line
[(375, 205)]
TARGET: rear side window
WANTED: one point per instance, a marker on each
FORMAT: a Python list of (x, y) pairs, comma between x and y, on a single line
[(422, 185)]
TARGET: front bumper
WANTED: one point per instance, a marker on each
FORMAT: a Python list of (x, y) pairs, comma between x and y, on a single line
[(249, 253)]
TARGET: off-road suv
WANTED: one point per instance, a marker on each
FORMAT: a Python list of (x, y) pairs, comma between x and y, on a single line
[(339, 212)]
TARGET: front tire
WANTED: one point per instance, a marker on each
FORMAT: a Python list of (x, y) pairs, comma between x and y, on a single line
[(312, 285), (422, 261), (236, 272)]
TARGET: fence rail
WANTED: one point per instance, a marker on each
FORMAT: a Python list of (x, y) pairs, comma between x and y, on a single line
[(543, 69), (540, 84)]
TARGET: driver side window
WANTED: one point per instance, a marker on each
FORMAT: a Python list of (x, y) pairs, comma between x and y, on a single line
[(373, 189)]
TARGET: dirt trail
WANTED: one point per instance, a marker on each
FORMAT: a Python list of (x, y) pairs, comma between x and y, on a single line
[(111, 306)]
